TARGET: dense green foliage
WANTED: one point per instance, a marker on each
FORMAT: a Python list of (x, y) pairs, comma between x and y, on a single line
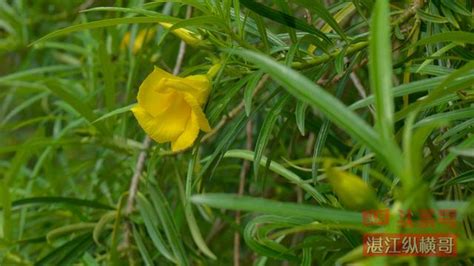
[(309, 92)]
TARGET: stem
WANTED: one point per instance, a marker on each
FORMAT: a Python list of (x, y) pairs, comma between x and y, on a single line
[(324, 58), (243, 175), (132, 191)]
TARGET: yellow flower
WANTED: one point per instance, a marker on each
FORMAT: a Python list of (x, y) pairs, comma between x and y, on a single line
[(187, 36), (170, 108), (143, 36)]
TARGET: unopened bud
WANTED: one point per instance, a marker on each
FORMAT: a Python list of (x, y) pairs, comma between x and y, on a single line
[(351, 190)]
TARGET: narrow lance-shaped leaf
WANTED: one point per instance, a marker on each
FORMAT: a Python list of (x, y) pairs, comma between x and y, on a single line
[(105, 23), (266, 131), (317, 7), (245, 203), (450, 36), (279, 169), (380, 67), (307, 91), (283, 18)]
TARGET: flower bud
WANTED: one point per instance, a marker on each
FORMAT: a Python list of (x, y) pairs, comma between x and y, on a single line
[(351, 190), (187, 36)]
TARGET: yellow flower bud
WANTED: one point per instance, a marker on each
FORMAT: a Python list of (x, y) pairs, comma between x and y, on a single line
[(213, 70), (187, 36), (169, 108), (143, 36), (351, 190)]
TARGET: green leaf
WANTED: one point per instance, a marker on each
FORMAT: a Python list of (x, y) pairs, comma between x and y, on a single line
[(100, 226), (256, 236), (449, 36), (421, 86), (464, 178), (279, 169), (286, 209), (438, 53), (168, 224), (58, 87), (229, 135), (61, 201), (284, 19), (300, 115), (249, 91), (68, 229), (380, 68), (266, 131), (430, 17), (151, 221), (464, 113), (141, 247), (196, 233), (322, 11), (194, 3), (306, 91), (199, 22), (68, 252), (105, 23), (307, 257), (188, 211), (464, 71), (126, 10), (456, 7), (447, 160), (25, 74), (115, 112)]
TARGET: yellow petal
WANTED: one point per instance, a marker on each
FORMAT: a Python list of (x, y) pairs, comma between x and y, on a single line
[(150, 98), (187, 138), (167, 126), (197, 111), (202, 85), (197, 85)]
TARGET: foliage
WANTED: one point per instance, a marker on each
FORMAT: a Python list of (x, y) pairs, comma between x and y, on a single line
[(307, 90)]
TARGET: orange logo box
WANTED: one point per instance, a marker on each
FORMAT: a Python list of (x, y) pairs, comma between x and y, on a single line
[(423, 245)]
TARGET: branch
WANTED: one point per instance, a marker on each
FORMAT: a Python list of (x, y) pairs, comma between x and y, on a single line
[(243, 175)]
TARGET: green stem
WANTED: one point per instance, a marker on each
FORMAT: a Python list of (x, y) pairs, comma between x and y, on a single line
[(325, 58)]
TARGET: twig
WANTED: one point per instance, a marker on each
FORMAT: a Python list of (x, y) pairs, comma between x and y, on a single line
[(310, 144), (358, 85), (417, 4), (234, 111), (360, 88), (216, 229), (86, 5), (351, 49), (243, 175), (132, 191)]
